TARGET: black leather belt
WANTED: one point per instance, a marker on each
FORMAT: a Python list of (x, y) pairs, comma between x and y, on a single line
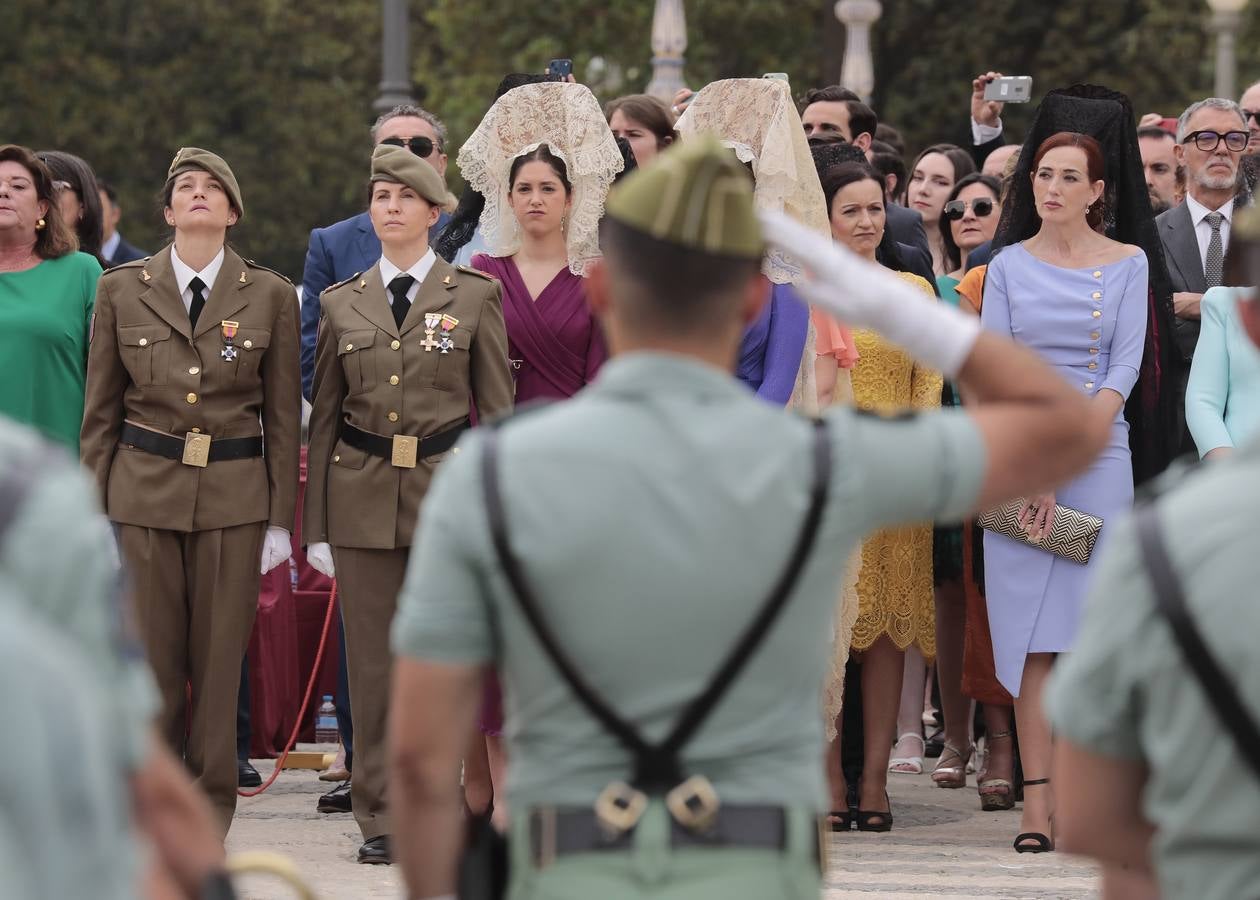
[(402, 450), (559, 832), (193, 449)]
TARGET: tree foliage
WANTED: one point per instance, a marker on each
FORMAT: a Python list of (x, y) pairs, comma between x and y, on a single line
[(284, 90)]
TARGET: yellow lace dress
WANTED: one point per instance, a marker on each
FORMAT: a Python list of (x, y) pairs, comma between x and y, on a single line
[(895, 582)]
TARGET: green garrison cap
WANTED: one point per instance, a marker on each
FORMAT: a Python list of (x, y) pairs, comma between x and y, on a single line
[(195, 158), (401, 166), (695, 194)]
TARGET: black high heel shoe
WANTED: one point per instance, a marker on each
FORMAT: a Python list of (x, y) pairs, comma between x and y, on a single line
[(1035, 841), (874, 819)]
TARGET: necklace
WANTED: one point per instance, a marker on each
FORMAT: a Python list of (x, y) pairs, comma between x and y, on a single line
[(17, 265)]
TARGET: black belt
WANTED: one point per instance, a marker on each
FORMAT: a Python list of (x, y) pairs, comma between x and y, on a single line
[(401, 450), (193, 449), (559, 832)]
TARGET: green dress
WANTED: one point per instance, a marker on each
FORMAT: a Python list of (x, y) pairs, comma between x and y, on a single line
[(45, 314)]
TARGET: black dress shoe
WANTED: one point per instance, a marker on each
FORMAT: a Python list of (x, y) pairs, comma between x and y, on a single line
[(246, 774), (337, 800), (375, 852)]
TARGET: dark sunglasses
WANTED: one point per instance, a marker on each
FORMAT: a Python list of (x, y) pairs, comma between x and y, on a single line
[(1207, 141), (956, 209), (1252, 114), (420, 146)]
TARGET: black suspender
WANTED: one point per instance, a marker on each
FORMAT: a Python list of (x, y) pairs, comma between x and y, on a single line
[(657, 767), (1170, 601)]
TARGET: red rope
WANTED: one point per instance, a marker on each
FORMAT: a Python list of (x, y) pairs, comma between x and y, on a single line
[(310, 686)]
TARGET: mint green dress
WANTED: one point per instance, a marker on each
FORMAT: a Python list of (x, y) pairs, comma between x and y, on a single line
[(45, 315)]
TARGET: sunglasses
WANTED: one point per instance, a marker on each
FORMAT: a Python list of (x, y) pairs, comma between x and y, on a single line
[(1207, 141), (420, 146), (956, 209)]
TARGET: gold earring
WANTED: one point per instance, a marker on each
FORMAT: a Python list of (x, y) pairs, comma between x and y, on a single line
[(40, 225)]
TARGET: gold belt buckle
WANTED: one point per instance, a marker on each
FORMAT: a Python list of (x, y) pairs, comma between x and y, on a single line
[(619, 808), (196, 450), (694, 804), (405, 450)]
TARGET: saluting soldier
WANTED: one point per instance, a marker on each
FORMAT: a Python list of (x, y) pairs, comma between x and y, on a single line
[(192, 426), (405, 350), (642, 527)]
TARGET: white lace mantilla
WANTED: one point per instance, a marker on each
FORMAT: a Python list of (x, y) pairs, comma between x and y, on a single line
[(758, 120), (569, 120)]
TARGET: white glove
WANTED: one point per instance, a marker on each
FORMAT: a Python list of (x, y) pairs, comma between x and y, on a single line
[(867, 295), (277, 547), (320, 557)]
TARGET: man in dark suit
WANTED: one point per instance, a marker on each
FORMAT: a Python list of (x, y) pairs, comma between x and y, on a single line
[(336, 253), (114, 248), (350, 246), (1195, 235), (838, 113)]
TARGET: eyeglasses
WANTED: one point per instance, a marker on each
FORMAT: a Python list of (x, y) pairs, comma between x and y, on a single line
[(956, 209), (420, 146), (1207, 141)]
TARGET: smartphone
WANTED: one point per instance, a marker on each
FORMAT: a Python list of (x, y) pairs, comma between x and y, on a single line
[(561, 67), (778, 76), (1009, 89)]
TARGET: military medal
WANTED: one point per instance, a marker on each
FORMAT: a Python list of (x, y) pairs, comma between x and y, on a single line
[(446, 343), (431, 321), (229, 334)]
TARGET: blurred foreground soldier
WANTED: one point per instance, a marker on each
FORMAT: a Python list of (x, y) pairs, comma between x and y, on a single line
[(1150, 777), (406, 349), (664, 505), (87, 778), (193, 362)]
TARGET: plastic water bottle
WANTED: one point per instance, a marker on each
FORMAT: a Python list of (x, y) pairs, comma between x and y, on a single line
[(326, 722)]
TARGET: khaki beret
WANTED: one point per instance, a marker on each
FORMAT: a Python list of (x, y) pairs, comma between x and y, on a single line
[(195, 158), (695, 194), (401, 166)]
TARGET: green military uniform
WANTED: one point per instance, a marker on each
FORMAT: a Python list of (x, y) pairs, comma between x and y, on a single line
[(1126, 691), (193, 432), (80, 698), (652, 513), (389, 401)]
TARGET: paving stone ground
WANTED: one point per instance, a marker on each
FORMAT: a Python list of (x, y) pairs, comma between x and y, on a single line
[(941, 846)]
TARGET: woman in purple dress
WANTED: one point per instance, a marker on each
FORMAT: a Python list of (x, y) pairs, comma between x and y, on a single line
[(555, 343), (543, 158), (1079, 299)]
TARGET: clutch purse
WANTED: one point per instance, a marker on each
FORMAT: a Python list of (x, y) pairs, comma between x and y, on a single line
[(1072, 536)]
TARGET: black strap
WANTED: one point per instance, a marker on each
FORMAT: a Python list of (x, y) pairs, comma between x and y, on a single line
[(657, 767), (1171, 602), (172, 447), (379, 445)]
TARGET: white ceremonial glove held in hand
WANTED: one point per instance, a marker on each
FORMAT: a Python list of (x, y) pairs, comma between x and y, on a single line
[(867, 295), (276, 548), (320, 557)]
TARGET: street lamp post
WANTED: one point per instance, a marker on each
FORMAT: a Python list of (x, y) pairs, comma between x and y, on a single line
[(669, 40), (395, 56), (1226, 17), (858, 71)]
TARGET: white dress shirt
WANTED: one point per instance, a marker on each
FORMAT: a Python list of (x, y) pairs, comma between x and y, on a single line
[(1203, 231), (419, 272), (184, 274), (110, 247), (982, 134)]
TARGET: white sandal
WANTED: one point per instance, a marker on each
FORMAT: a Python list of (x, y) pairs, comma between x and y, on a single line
[(908, 765)]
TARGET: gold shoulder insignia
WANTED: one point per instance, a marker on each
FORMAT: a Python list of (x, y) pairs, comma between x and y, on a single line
[(133, 264), (480, 274), (343, 283), (254, 265)]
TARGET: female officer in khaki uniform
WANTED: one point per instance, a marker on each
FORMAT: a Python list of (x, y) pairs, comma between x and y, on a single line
[(405, 350), (193, 362)]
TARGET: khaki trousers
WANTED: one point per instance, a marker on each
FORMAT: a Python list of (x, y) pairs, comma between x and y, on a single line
[(368, 582), (196, 594)]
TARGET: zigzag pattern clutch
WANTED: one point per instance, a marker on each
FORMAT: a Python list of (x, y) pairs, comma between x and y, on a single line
[(1072, 536)]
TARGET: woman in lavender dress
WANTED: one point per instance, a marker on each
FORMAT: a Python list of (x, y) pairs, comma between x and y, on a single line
[(1079, 299)]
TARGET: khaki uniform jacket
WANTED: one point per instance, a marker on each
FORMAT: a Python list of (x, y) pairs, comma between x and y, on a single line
[(380, 378), (147, 366)]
